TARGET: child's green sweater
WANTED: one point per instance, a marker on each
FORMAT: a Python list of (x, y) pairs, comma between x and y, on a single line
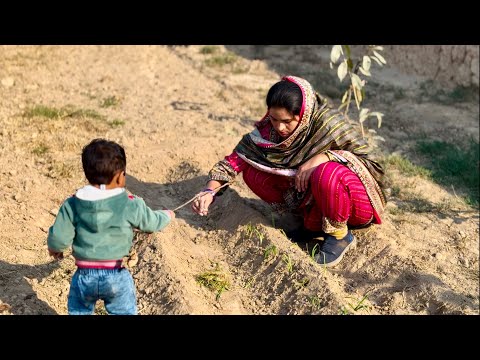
[(102, 229)]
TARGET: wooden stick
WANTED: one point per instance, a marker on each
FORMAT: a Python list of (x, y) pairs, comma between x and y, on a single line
[(199, 195)]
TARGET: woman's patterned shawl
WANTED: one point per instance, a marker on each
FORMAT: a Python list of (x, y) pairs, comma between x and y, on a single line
[(321, 129)]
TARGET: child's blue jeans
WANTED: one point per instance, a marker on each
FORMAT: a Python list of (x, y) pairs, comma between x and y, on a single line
[(114, 286)]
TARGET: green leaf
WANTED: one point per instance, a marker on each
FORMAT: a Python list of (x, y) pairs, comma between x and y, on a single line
[(347, 50), (345, 96), (342, 71), (359, 95), (376, 60), (363, 115), (379, 57), (366, 63), (379, 116), (331, 65), (364, 72), (356, 81), (335, 54), (364, 112)]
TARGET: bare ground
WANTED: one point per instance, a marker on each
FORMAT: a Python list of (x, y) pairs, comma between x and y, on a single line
[(177, 111)]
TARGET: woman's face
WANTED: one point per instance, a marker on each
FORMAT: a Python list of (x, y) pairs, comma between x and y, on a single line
[(283, 121)]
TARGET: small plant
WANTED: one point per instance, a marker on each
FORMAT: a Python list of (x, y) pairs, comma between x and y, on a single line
[(61, 170), (64, 112), (88, 113), (209, 49), (313, 252), (343, 311), (359, 305), (407, 167), (249, 230), (396, 191), (41, 149), (301, 284), (315, 302), (356, 86), (109, 101), (260, 236), (249, 282), (215, 280), (45, 111), (270, 252), (222, 59), (451, 164), (288, 262), (116, 122)]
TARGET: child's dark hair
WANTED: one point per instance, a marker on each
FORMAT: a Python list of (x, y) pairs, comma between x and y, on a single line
[(285, 94), (101, 160)]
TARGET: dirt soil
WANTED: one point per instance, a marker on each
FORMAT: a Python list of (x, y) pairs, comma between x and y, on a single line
[(179, 109)]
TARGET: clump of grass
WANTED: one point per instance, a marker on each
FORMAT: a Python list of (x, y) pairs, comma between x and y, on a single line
[(109, 101), (86, 113), (209, 49), (396, 211), (356, 306), (251, 230), (301, 284), (454, 166), (240, 69), (260, 236), (315, 302), (41, 149), (288, 262), (459, 94), (67, 111), (407, 167), (61, 170), (116, 122), (46, 112), (215, 280), (270, 252), (221, 60), (396, 191), (249, 282), (464, 93), (398, 93)]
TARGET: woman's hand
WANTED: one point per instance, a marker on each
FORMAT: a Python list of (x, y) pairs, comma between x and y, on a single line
[(201, 204), (305, 170)]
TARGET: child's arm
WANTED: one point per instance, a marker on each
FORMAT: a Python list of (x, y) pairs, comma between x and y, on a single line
[(61, 233), (149, 220)]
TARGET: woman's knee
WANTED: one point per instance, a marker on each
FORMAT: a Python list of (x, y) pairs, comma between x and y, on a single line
[(327, 175)]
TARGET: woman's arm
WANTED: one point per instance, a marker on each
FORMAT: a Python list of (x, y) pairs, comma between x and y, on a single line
[(201, 205), (222, 172)]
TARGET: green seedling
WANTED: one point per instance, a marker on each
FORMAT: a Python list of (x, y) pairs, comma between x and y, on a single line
[(215, 280)]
